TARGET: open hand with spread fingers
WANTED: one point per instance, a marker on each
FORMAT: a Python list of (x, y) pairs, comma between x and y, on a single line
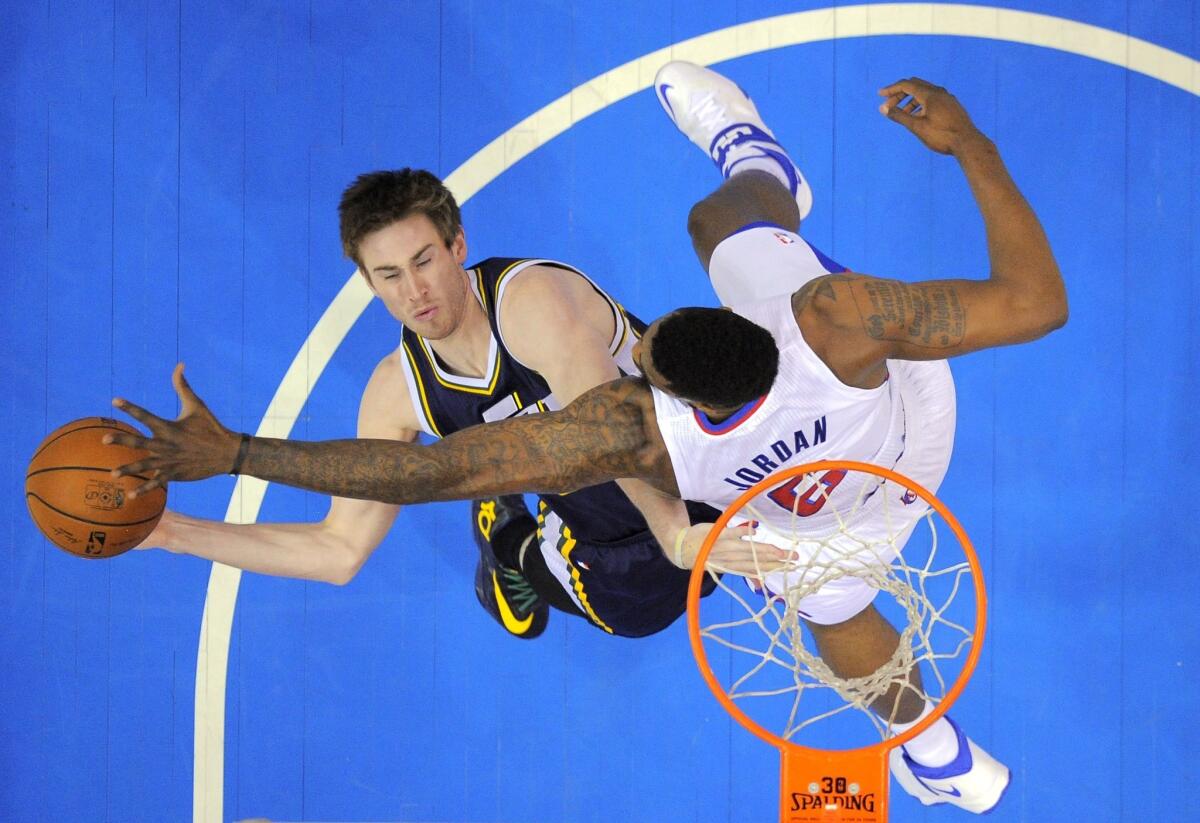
[(192, 447), (930, 112)]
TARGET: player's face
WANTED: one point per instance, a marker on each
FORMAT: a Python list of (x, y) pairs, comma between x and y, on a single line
[(417, 276)]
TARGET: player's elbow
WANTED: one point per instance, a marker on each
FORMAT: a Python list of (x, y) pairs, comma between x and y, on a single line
[(344, 567), (1041, 311), (1053, 309), (340, 578), (1059, 319), (1063, 312), (342, 557)]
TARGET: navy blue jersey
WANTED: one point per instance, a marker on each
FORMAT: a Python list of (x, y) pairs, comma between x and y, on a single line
[(446, 402)]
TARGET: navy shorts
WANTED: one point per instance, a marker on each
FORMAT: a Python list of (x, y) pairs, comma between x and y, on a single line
[(627, 588)]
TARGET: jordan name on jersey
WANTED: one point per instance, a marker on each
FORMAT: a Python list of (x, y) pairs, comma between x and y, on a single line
[(779, 453)]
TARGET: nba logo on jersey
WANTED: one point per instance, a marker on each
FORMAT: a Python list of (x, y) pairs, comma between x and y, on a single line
[(909, 497), (785, 239)]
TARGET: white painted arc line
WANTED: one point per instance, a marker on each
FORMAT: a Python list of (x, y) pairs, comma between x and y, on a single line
[(888, 19), (873, 20), (216, 624)]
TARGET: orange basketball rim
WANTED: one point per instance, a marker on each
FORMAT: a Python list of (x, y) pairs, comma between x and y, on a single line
[(822, 784)]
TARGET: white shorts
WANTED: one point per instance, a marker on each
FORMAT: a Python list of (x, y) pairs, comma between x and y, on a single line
[(763, 260)]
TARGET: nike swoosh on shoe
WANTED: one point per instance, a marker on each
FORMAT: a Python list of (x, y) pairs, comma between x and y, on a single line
[(662, 95), (511, 622)]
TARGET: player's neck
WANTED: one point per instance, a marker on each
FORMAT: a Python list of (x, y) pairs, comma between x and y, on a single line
[(465, 350), (714, 414)]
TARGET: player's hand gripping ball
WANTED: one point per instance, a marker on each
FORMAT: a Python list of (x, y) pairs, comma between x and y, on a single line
[(74, 500)]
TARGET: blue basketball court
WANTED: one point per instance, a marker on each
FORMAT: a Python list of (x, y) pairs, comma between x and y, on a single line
[(171, 172)]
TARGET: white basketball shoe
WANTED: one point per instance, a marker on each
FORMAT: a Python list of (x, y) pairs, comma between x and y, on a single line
[(715, 114), (974, 780)]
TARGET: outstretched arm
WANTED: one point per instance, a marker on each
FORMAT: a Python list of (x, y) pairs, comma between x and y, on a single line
[(332, 549), (605, 434), (855, 322), (598, 437)]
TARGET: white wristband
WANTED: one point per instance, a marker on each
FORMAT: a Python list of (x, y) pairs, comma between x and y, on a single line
[(679, 547)]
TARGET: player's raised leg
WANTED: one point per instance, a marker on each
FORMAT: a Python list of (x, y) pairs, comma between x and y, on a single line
[(940, 765), (746, 233), (715, 114)]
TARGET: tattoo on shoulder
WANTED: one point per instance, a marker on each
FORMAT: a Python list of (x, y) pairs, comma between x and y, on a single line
[(930, 315), (818, 287)]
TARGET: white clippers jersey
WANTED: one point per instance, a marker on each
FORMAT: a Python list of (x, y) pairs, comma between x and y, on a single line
[(810, 415)]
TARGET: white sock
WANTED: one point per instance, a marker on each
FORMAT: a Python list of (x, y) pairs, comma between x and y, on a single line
[(934, 747), (521, 552), (764, 154)]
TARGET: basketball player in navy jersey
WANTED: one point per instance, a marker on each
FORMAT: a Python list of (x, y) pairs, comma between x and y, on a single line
[(861, 356), (504, 337)]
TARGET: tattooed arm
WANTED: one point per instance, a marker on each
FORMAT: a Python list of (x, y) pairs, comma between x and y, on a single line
[(607, 433), (855, 322)]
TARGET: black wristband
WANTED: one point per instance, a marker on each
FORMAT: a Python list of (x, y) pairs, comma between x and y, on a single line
[(243, 447)]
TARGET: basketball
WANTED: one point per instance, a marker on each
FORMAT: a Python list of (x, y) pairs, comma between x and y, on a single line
[(76, 503)]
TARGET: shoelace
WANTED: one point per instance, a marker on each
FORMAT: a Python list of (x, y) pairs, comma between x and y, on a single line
[(519, 592), (709, 112)]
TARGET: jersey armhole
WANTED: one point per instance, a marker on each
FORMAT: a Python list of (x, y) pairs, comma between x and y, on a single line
[(802, 345), (621, 326)]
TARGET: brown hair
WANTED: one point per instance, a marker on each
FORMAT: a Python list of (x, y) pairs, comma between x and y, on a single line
[(380, 198)]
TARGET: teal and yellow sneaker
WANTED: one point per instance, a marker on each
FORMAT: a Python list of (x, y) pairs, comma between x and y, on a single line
[(502, 590)]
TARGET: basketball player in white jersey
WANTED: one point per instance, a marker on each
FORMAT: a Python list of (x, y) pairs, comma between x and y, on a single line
[(746, 234), (851, 352)]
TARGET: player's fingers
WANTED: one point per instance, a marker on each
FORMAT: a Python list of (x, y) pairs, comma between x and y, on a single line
[(910, 121), (761, 558), (911, 85), (891, 102), (133, 441), (732, 536), (149, 486), (139, 414), (188, 401), (773, 561), (138, 468), (746, 567)]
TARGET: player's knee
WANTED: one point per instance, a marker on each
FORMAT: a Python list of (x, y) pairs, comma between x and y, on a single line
[(762, 198), (745, 199), (700, 219), (708, 224)]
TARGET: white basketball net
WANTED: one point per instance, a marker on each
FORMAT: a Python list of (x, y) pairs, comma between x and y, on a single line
[(872, 548)]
